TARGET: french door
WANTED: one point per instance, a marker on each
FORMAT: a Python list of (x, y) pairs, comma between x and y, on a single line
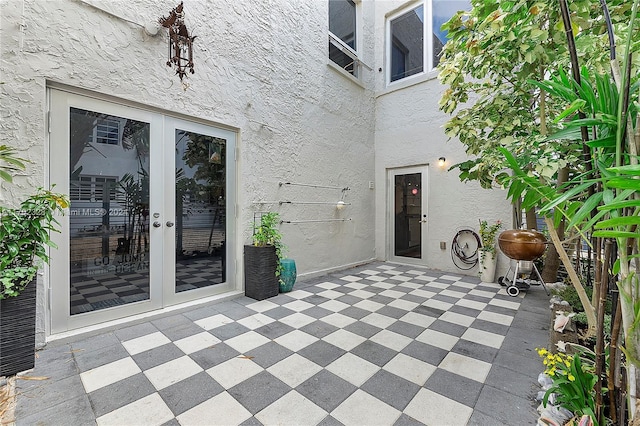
[(150, 222), (407, 214)]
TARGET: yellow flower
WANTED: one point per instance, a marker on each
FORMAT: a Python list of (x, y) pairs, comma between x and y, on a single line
[(571, 377)]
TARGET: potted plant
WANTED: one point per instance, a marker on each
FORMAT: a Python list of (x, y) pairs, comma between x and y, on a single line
[(487, 250), (24, 238), (262, 258)]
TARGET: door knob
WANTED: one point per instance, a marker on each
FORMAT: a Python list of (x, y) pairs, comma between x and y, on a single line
[(169, 224), (157, 224)]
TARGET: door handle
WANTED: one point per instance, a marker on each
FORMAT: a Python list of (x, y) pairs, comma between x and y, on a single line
[(423, 221), (157, 224), (169, 224)]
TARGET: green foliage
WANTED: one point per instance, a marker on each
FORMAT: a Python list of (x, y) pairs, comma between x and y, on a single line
[(488, 235), (24, 237), (493, 52), (266, 233), (570, 295), (573, 385), (581, 319), (601, 196), (9, 162)]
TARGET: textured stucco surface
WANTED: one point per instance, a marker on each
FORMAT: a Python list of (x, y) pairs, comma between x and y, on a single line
[(261, 69)]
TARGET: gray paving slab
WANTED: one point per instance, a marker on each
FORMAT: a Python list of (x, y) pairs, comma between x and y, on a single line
[(478, 418), (326, 390), (135, 331), (171, 322), (405, 420), (186, 394), (475, 350), (259, 391), (71, 412), (181, 331), (44, 393), (116, 395), (87, 358), (56, 362), (95, 342), (391, 389), (507, 408)]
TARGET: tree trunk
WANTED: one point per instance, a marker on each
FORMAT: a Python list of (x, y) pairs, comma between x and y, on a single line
[(532, 219), (552, 258), (575, 281), (634, 401), (551, 263)]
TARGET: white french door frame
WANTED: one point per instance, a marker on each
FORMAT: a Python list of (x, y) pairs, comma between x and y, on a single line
[(161, 201), (169, 271), (424, 214)]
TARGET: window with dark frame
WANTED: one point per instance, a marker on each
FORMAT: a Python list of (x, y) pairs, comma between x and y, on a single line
[(407, 44), (107, 131), (412, 48), (342, 35)]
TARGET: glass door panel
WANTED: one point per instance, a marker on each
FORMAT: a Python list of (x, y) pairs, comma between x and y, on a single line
[(198, 211), (407, 214), (109, 211), (129, 245), (200, 220)]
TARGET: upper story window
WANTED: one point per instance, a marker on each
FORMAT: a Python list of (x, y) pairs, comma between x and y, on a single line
[(107, 131), (414, 38), (343, 49)]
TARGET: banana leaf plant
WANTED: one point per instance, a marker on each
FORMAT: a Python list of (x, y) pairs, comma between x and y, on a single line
[(601, 198)]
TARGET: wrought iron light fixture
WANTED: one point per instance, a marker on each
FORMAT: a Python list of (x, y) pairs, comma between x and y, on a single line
[(180, 42)]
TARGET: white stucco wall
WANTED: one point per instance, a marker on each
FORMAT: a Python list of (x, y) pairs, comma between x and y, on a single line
[(260, 68), (409, 132)]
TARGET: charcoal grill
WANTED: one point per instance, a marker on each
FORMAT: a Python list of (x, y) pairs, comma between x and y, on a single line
[(523, 247)]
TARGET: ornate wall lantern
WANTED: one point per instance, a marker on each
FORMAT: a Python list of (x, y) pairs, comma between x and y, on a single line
[(180, 43)]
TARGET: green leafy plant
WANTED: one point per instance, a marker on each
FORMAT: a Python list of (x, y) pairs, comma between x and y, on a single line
[(572, 384), (9, 162), (266, 233), (24, 238), (488, 235)]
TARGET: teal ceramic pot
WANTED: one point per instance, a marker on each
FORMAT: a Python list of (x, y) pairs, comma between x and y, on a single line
[(288, 275)]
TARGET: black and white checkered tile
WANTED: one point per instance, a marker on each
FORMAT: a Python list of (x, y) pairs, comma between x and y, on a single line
[(383, 344)]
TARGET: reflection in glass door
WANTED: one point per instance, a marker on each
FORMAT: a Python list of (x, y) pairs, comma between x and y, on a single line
[(200, 220), (151, 219), (408, 213), (109, 211)]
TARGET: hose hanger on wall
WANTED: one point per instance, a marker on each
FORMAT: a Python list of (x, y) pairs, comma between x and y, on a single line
[(464, 248)]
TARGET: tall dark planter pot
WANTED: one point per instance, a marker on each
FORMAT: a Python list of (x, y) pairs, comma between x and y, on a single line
[(18, 332), (260, 264)]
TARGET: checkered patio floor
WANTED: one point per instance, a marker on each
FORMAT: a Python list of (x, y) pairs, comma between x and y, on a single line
[(380, 344)]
